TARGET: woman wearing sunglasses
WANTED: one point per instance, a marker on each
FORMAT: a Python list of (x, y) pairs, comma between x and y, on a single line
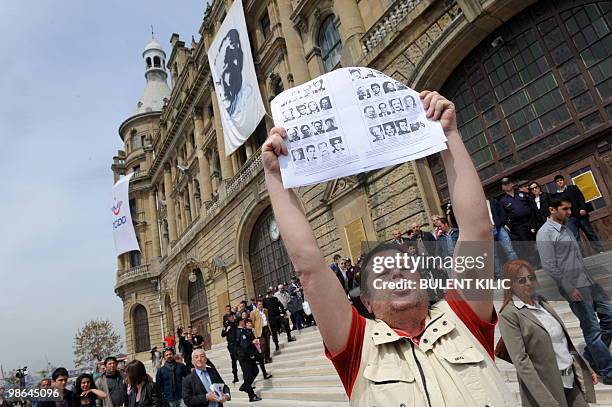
[(550, 371)]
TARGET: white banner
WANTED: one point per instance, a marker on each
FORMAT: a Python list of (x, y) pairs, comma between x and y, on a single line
[(351, 120), (123, 228), (233, 73)]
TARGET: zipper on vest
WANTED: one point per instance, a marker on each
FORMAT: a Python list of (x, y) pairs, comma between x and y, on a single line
[(421, 373)]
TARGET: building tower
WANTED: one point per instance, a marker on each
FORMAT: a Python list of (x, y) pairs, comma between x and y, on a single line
[(137, 272)]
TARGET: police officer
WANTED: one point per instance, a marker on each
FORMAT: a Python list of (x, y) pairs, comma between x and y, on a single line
[(230, 328), (519, 217), (246, 356)]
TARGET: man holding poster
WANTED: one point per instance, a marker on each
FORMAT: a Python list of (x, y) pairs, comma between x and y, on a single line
[(414, 353), (233, 73)]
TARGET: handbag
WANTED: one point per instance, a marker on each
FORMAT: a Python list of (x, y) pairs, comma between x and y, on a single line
[(306, 308), (501, 351)]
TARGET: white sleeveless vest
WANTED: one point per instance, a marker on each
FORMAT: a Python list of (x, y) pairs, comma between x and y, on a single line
[(448, 368)]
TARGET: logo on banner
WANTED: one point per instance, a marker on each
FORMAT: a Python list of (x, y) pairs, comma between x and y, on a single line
[(116, 209)]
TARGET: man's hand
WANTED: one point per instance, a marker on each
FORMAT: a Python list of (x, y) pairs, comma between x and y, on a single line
[(437, 107), (575, 296), (212, 397), (594, 378), (583, 212), (272, 148)]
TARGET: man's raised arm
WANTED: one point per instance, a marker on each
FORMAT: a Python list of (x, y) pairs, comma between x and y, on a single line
[(326, 297), (469, 202)]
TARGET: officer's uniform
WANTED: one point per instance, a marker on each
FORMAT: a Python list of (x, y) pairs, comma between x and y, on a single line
[(229, 332), (519, 215), (246, 352), (520, 219)]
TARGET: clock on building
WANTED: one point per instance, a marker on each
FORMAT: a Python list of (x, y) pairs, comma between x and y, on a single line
[(274, 232)]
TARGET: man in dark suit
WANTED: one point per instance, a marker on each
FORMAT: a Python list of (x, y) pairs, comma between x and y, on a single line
[(539, 201), (579, 218), (198, 385), (344, 276), (425, 240)]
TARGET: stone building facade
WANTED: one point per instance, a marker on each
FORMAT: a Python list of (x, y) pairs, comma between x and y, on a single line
[(203, 220)]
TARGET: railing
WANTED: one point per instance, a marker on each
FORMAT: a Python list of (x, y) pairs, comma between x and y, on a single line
[(135, 272), (387, 24)]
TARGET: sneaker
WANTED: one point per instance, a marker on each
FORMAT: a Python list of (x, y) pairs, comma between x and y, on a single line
[(254, 398)]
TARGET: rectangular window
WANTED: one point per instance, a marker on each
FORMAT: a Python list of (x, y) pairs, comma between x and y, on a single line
[(264, 23)]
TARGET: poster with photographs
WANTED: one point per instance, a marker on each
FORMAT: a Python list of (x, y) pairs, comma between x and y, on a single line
[(351, 120)]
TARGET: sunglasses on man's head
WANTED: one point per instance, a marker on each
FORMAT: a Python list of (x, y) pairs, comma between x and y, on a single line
[(523, 280)]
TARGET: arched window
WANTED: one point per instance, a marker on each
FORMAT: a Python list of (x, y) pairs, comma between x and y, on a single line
[(270, 264), (329, 42), (148, 62), (539, 81), (156, 62), (140, 323)]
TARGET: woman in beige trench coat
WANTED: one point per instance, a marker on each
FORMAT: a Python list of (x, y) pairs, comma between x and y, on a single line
[(551, 373)]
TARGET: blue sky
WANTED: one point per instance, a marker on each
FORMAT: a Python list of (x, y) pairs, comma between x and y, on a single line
[(71, 73)]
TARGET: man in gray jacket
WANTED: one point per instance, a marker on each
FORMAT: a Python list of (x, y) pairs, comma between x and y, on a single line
[(562, 259), (112, 383)]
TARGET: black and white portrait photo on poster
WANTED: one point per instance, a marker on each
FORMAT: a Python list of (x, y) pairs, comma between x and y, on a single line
[(306, 131), (363, 93), (235, 81), (325, 103), (288, 115), (416, 126), (313, 107), (323, 149), (383, 110), (375, 87), (400, 86), (337, 145), (355, 74), (402, 126), (377, 133), (318, 127), (411, 105), (396, 105), (389, 129), (369, 112), (330, 125), (388, 87), (311, 153), (302, 111), (292, 134), (297, 154)]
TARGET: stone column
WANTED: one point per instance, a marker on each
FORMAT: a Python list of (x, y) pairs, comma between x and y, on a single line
[(192, 205), (295, 50), (226, 165), (188, 149), (153, 224), (204, 174), (235, 164), (181, 202), (249, 148), (351, 30), (171, 215)]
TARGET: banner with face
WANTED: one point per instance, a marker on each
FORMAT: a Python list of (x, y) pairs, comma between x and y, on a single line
[(233, 72)]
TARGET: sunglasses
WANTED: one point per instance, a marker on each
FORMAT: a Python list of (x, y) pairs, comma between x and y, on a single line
[(523, 280), (534, 187)]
